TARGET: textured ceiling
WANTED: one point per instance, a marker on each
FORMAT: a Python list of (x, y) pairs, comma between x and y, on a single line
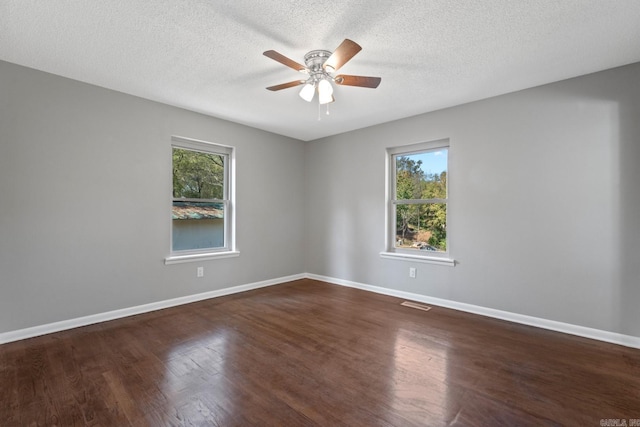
[(206, 56)]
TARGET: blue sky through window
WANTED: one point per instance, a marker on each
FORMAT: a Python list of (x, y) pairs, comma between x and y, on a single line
[(433, 162)]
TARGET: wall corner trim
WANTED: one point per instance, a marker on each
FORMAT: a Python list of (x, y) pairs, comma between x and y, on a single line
[(49, 328), (567, 328)]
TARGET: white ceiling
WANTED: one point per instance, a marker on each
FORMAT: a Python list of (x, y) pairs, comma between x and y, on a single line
[(206, 55)]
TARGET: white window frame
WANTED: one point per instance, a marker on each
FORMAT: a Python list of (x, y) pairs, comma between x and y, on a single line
[(391, 252), (228, 200)]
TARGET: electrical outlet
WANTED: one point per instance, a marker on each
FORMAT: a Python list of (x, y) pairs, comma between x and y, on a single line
[(200, 272), (412, 272)]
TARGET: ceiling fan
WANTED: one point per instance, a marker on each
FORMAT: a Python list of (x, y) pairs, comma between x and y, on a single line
[(320, 65)]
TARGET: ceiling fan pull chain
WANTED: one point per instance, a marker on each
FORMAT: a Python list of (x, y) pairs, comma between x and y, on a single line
[(319, 116), (327, 109)]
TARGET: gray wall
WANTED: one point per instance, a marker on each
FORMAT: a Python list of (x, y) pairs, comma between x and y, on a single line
[(544, 203), (544, 206), (85, 200)]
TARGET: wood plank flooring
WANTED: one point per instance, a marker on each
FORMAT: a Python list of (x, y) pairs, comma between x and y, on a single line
[(307, 353)]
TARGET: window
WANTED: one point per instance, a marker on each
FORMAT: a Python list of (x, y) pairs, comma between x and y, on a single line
[(201, 208), (417, 202)]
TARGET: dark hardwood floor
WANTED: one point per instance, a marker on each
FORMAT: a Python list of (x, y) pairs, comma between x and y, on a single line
[(311, 353)]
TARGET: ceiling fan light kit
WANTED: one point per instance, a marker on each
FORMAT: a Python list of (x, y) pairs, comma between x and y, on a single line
[(320, 65)]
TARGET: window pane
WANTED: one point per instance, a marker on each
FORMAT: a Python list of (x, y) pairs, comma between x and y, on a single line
[(197, 225), (198, 222), (197, 175), (422, 175), (421, 227)]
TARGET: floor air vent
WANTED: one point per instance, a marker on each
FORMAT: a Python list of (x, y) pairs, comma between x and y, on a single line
[(416, 305)]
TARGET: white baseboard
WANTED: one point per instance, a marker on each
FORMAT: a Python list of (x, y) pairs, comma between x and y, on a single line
[(567, 328), (35, 331)]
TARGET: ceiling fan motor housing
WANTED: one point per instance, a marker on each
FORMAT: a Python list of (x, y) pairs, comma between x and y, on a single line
[(314, 61)]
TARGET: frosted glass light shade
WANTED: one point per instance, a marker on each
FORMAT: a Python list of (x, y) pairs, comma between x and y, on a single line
[(325, 92), (307, 92)]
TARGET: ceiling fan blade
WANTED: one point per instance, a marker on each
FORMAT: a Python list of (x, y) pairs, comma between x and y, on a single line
[(284, 60), (287, 85), (344, 52), (361, 81)]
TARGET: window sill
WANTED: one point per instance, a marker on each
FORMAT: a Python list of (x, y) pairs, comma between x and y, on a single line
[(179, 259), (418, 258)]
